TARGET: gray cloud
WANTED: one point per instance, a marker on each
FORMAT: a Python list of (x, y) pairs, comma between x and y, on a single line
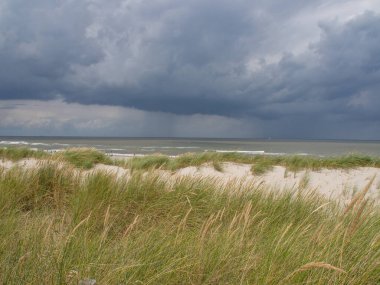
[(54, 117), (294, 63)]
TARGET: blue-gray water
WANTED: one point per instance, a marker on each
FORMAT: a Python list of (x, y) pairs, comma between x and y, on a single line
[(170, 146)]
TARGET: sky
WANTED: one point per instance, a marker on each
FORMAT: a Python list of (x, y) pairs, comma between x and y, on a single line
[(197, 68)]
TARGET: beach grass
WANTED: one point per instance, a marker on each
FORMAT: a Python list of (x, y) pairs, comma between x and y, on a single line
[(184, 160), (60, 225), (86, 158), (263, 163), (18, 153), (260, 163)]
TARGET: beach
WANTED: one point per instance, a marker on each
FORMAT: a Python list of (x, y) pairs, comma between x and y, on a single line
[(196, 218), (336, 184)]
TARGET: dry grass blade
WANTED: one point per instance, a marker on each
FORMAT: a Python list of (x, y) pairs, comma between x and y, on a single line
[(314, 265), (359, 196), (324, 265)]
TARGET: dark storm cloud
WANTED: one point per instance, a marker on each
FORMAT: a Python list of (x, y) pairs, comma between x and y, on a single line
[(39, 41), (207, 57), (339, 74)]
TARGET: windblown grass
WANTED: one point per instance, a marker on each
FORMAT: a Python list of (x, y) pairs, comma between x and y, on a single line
[(15, 154), (185, 160), (87, 157), (59, 226), (84, 158), (262, 163), (296, 163), (147, 162)]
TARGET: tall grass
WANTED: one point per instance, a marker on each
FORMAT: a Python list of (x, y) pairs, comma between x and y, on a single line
[(295, 163), (185, 160), (84, 158), (15, 154), (87, 157), (260, 163), (59, 226)]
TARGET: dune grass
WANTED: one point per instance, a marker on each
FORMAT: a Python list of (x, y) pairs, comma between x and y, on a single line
[(260, 163), (59, 226), (185, 160), (15, 154), (263, 163), (86, 158)]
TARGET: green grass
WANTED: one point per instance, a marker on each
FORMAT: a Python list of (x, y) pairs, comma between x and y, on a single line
[(58, 227), (185, 160), (16, 154), (84, 158), (263, 163), (260, 163), (147, 162)]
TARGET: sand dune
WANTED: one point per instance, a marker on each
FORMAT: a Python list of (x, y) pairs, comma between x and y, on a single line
[(337, 184)]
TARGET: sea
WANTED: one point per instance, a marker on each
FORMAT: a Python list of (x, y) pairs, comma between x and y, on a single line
[(176, 146)]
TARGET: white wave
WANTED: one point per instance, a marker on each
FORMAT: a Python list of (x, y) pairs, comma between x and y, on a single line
[(54, 150), (60, 144), (187, 147), (45, 144), (275, 153), (242, 151), (14, 142), (169, 147), (123, 154)]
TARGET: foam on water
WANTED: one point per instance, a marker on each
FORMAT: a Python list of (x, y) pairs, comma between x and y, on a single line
[(168, 146), (14, 143), (242, 151)]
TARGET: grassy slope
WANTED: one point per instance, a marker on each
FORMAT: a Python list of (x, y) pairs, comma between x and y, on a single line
[(58, 228), (260, 163), (86, 158), (15, 154)]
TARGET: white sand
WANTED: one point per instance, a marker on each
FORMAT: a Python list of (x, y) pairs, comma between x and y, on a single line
[(333, 183)]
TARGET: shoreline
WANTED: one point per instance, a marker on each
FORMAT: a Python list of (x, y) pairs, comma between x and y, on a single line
[(167, 146)]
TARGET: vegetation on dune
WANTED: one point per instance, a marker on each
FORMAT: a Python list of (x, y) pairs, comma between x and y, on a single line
[(87, 157), (84, 158), (186, 160), (15, 154), (146, 162), (262, 163), (58, 227)]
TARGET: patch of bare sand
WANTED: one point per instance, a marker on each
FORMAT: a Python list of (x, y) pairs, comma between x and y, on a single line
[(27, 163), (332, 183), (119, 172)]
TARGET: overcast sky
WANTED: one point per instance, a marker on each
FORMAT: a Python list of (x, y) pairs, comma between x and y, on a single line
[(203, 68)]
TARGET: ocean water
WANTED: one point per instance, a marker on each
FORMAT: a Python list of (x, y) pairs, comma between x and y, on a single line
[(176, 146)]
